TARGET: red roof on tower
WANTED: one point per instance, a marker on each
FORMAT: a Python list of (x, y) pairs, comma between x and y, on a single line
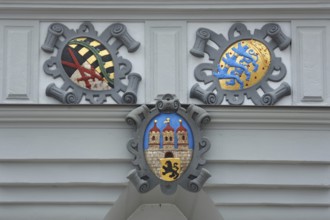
[(168, 126), (181, 128), (155, 128)]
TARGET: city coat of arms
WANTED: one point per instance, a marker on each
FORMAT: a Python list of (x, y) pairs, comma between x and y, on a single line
[(90, 65), (242, 66), (168, 146)]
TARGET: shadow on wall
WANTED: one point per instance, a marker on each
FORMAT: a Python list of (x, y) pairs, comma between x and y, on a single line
[(183, 205)]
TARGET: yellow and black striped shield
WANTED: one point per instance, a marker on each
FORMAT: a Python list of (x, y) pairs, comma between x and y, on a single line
[(88, 63)]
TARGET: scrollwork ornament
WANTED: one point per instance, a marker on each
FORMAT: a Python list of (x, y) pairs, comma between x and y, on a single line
[(70, 98), (58, 28), (193, 187), (89, 65), (206, 120), (118, 29), (167, 146), (242, 65), (176, 104), (211, 98), (131, 121), (144, 188), (273, 29), (204, 33), (129, 98), (160, 105), (267, 99)]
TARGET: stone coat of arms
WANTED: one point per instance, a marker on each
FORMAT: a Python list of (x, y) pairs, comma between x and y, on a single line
[(242, 66), (89, 65), (168, 146)]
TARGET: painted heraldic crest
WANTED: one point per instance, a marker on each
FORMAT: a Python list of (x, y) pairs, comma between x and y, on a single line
[(168, 146), (242, 66), (89, 64)]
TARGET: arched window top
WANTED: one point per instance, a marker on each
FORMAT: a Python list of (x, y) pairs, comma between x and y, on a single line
[(169, 154)]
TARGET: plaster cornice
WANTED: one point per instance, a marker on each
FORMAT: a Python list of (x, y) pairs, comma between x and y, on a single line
[(172, 9), (114, 116)]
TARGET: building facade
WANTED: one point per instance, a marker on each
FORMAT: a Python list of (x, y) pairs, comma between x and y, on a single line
[(60, 161)]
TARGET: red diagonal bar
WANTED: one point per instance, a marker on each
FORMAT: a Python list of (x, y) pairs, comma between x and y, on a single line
[(82, 70)]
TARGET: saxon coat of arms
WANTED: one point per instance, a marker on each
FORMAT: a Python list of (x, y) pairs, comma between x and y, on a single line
[(90, 65), (242, 66), (168, 146)]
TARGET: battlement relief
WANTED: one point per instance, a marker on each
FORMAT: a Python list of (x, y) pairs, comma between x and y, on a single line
[(182, 137), (154, 137), (168, 146), (168, 136)]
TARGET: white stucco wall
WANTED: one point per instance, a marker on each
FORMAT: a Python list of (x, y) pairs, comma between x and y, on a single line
[(159, 27), (71, 162)]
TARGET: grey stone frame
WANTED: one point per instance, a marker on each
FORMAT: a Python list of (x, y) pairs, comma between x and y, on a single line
[(122, 67), (238, 32), (195, 176)]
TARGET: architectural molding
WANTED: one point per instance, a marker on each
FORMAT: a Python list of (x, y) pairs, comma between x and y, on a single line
[(18, 45), (310, 90), (301, 118), (223, 4), (166, 59), (147, 9)]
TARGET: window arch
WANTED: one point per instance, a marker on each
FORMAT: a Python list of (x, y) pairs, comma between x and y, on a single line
[(168, 154)]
